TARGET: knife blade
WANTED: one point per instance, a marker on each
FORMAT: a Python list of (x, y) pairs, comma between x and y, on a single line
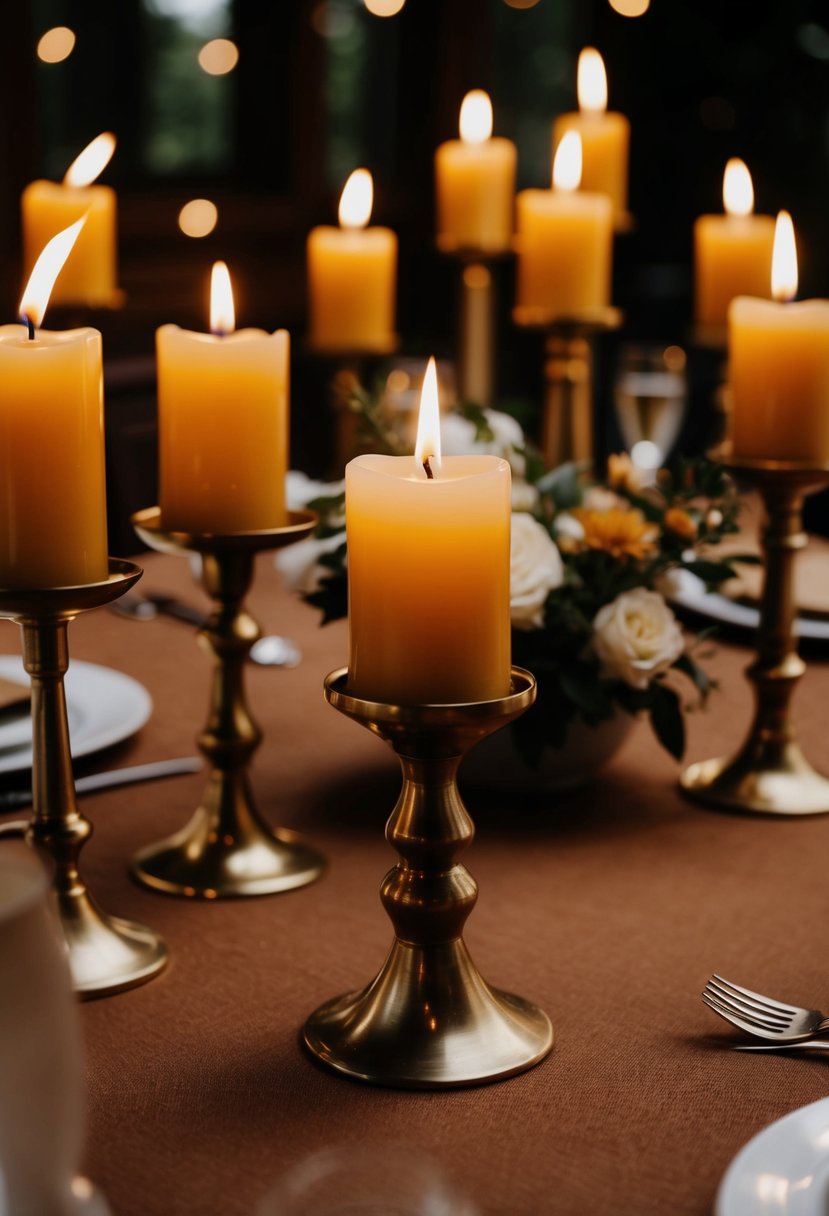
[(13, 800)]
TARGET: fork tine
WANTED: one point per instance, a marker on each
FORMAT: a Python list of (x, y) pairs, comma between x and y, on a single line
[(740, 1017), (766, 1001), (737, 1021), (749, 1008)]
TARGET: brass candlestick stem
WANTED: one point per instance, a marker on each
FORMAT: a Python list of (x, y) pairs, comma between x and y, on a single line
[(106, 954), (567, 420), (349, 369), (429, 1020), (475, 360), (226, 848), (770, 774)]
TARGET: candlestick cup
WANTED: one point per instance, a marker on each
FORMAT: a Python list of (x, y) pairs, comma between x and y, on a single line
[(429, 1020), (770, 774), (106, 953), (227, 849)]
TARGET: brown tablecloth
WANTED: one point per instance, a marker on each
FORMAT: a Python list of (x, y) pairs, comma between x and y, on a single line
[(610, 908)]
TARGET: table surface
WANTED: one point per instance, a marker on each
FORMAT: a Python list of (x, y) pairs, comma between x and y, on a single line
[(609, 907)]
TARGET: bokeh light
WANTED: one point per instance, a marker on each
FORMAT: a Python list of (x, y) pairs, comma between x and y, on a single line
[(384, 8), (56, 44), (218, 57), (630, 8), (198, 217)]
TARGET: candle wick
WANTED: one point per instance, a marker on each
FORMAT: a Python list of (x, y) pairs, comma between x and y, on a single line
[(430, 475), (30, 325)]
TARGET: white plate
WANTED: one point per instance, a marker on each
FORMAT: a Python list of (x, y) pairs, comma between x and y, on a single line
[(783, 1170), (688, 591), (103, 706)]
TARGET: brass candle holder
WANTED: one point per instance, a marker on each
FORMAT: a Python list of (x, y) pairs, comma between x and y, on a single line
[(106, 953), (770, 774), (567, 422), (475, 369), (349, 369), (226, 849), (429, 1020)]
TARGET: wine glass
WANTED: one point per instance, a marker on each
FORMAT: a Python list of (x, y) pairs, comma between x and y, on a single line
[(650, 395), (365, 1178)]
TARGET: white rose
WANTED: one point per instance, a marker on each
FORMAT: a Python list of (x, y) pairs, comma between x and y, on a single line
[(299, 563), (536, 569), (524, 496), (301, 489), (457, 437), (568, 527), (636, 637)]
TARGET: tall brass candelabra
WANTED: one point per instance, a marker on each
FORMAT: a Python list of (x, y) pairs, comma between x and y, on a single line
[(429, 1020), (567, 419), (227, 848), (770, 774), (106, 953)]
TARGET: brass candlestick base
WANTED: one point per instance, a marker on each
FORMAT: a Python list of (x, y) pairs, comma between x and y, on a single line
[(429, 1020), (227, 848), (770, 775), (106, 954), (567, 428)]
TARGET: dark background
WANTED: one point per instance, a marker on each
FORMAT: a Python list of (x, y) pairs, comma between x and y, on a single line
[(323, 86)]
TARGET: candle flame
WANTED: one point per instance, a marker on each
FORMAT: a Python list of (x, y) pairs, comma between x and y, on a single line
[(91, 162), (222, 312), (476, 117), (567, 162), (784, 259), (591, 81), (427, 443), (737, 188), (357, 200), (45, 270)]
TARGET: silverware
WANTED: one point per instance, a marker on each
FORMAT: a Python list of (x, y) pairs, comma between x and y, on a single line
[(268, 651), (762, 1016), (12, 800), (800, 1045)]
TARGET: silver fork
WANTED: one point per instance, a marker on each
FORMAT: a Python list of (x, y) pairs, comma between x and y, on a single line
[(760, 1015)]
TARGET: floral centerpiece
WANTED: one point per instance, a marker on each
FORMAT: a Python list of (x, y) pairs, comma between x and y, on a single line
[(591, 567)]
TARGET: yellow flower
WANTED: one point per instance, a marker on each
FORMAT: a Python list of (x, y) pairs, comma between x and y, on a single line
[(621, 533), (680, 522), (622, 473)]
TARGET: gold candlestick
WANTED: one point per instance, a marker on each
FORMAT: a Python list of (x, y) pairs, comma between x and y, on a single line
[(429, 1020), (349, 369), (106, 953), (770, 774), (227, 849), (567, 429), (475, 370)]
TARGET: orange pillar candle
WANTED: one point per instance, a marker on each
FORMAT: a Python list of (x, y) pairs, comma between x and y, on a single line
[(428, 572), (605, 135), (352, 276), (564, 244), (732, 252), (90, 275), (222, 422), (778, 359), (475, 183), (53, 530)]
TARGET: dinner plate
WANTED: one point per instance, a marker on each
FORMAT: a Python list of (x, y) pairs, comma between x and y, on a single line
[(103, 706), (783, 1170), (688, 591)]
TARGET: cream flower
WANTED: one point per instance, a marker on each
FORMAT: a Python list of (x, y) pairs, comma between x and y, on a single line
[(536, 569), (457, 438), (300, 565), (636, 637)]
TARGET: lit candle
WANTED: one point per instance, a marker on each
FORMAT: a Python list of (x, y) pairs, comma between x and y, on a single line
[(564, 243), (222, 422), (732, 252), (52, 484), (475, 183), (605, 134), (89, 277), (352, 276), (778, 358), (428, 571)]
